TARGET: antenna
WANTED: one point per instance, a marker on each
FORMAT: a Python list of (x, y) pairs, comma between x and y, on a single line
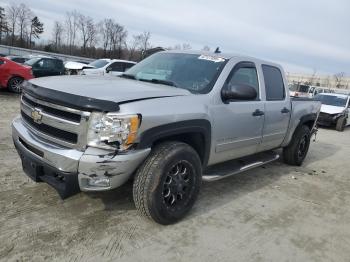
[(217, 50)]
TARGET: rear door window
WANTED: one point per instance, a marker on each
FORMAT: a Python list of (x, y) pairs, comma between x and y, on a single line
[(273, 83), (117, 67)]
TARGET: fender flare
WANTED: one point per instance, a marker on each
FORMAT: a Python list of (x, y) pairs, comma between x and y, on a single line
[(201, 126)]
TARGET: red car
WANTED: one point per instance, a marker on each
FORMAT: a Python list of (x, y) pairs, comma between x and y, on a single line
[(13, 74)]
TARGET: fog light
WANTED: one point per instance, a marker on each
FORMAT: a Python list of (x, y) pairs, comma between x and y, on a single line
[(98, 182)]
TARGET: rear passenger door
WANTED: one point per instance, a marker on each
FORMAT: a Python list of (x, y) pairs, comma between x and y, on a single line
[(277, 108), (117, 68)]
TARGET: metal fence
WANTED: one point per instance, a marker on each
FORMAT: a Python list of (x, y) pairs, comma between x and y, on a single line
[(11, 50)]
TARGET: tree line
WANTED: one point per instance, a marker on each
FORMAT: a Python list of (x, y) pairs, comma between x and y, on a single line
[(77, 34)]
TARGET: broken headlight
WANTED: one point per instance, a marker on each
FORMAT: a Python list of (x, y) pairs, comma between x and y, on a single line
[(111, 130)]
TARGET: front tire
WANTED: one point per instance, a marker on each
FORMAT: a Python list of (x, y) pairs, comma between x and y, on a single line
[(167, 184), (15, 84), (295, 153), (340, 126)]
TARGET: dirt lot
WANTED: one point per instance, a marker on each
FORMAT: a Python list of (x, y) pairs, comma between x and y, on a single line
[(273, 213)]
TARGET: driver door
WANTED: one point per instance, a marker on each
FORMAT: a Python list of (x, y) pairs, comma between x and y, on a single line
[(238, 124)]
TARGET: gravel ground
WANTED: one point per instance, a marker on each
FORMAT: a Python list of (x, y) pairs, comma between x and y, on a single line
[(272, 213)]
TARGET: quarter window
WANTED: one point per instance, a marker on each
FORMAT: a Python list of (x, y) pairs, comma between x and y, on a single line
[(273, 83)]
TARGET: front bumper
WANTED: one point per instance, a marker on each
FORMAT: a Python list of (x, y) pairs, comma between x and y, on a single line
[(325, 119), (70, 170)]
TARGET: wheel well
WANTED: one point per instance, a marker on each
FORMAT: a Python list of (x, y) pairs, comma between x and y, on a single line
[(309, 124), (196, 140)]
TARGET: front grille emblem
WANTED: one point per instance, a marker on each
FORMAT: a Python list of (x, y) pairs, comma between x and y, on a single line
[(37, 115)]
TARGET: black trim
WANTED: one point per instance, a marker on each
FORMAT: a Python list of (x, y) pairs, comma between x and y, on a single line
[(201, 126), (66, 184), (307, 118), (69, 100)]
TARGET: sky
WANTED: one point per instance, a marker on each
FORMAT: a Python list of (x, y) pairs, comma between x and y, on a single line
[(304, 36)]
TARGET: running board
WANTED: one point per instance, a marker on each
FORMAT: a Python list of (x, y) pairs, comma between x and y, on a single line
[(233, 167)]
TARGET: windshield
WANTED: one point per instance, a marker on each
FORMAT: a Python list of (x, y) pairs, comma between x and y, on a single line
[(99, 63), (332, 100), (32, 61), (196, 73)]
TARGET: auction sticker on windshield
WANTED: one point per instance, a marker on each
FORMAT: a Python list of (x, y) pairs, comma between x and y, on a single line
[(215, 59)]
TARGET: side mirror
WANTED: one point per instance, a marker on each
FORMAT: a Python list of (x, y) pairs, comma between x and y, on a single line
[(108, 69), (239, 92)]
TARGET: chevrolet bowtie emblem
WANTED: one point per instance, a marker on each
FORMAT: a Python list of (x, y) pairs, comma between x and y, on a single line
[(36, 115)]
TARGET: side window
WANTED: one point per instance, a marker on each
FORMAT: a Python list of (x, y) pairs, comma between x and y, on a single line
[(127, 66), (2, 62), (273, 83), (244, 74), (117, 66)]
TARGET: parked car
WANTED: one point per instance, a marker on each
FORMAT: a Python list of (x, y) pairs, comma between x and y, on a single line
[(46, 66), (108, 67), (314, 90), (12, 74), (299, 90), (170, 122), (75, 68), (17, 59), (334, 110)]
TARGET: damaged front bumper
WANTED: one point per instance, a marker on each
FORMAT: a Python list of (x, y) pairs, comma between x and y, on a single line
[(69, 170)]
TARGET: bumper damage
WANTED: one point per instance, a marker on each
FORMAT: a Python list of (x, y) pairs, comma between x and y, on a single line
[(70, 171)]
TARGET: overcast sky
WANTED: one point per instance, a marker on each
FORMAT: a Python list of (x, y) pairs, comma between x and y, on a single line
[(301, 35)]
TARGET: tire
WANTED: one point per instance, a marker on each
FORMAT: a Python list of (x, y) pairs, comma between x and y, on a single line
[(14, 84), (340, 126), (168, 182), (295, 153)]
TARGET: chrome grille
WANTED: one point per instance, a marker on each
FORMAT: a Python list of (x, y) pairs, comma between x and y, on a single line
[(58, 124)]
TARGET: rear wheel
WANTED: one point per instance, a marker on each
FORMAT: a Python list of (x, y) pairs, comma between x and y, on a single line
[(340, 126), (15, 84), (167, 184), (295, 152)]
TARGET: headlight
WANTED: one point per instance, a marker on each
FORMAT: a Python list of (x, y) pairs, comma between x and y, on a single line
[(112, 130)]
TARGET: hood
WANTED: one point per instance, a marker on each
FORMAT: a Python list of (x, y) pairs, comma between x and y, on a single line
[(108, 88), (332, 109)]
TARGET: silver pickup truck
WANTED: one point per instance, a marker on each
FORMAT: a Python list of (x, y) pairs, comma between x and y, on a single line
[(168, 123)]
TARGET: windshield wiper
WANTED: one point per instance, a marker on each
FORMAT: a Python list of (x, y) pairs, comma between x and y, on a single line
[(127, 76), (159, 81)]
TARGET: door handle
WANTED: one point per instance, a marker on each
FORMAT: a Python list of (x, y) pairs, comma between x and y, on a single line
[(285, 110), (258, 112)]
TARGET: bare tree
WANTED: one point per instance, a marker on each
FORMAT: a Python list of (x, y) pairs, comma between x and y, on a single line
[(118, 36), (145, 41), (339, 77), (91, 33), (12, 16), (134, 45), (57, 34), (71, 24), (84, 24), (3, 26), (106, 31), (24, 17)]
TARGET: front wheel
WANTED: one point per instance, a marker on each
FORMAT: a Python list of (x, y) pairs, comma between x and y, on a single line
[(167, 184), (340, 125), (295, 153), (15, 84)]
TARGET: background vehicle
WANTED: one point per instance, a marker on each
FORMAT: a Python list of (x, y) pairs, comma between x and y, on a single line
[(168, 122), (18, 59), (299, 90), (108, 66), (334, 110), (13, 74), (314, 90), (75, 67), (46, 66)]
